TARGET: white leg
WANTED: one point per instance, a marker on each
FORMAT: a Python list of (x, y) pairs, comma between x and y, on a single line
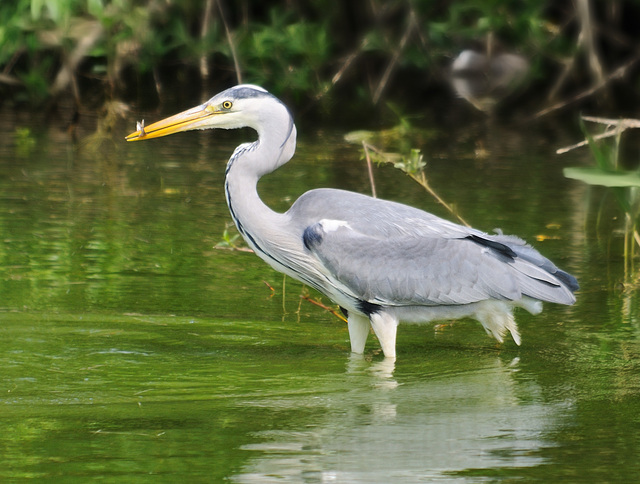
[(358, 331), (385, 327)]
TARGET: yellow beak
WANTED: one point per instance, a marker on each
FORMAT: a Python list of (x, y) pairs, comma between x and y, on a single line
[(194, 118)]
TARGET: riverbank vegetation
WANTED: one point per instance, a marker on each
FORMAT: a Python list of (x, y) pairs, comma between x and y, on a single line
[(324, 57)]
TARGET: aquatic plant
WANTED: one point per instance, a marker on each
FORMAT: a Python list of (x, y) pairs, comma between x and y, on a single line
[(609, 172)]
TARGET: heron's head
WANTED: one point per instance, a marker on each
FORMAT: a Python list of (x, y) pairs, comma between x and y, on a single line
[(237, 107)]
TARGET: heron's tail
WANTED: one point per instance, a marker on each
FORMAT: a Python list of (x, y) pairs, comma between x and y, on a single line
[(538, 277)]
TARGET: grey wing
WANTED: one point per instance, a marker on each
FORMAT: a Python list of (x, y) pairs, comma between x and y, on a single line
[(428, 270), (409, 270), (385, 251)]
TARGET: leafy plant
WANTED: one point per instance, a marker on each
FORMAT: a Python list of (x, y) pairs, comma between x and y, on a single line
[(374, 50), (230, 240), (623, 184), (410, 161), (413, 164)]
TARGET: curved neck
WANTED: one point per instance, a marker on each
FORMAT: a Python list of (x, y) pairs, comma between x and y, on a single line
[(260, 226)]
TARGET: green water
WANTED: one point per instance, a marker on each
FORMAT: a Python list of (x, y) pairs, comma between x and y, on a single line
[(133, 350)]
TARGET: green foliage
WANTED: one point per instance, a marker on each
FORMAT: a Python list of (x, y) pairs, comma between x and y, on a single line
[(604, 154), (229, 240), (24, 142), (14, 28), (287, 55), (475, 18), (302, 48), (413, 164), (607, 172), (35, 81), (623, 184), (446, 30), (598, 176)]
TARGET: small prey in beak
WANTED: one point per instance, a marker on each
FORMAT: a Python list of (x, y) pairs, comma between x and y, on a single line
[(140, 129), (199, 117)]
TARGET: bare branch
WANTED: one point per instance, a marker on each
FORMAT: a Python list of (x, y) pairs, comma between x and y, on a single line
[(615, 127), (232, 46)]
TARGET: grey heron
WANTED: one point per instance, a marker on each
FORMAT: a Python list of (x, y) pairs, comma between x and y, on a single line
[(382, 262)]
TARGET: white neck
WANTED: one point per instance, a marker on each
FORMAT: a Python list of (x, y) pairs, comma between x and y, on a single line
[(262, 228)]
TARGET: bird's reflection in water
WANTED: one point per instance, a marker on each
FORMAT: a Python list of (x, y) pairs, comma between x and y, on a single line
[(381, 371), (385, 423)]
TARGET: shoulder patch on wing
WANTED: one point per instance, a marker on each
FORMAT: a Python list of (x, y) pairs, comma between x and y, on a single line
[(313, 234)]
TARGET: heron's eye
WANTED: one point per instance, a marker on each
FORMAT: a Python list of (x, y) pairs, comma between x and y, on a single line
[(227, 104)]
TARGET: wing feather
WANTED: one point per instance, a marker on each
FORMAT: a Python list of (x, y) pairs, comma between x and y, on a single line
[(410, 270), (388, 253)]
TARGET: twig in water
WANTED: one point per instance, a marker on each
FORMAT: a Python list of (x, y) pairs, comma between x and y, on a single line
[(421, 179), (326, 308), (236, 249), (204, 31), (273, 291), (615, 127), (232, 46), (369, 169), (284, 295)]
